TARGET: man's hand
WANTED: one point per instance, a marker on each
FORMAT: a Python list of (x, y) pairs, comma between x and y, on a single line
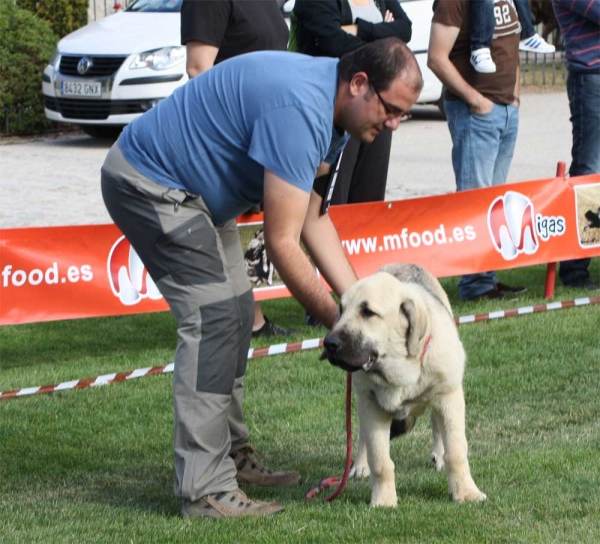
[(482, 105)]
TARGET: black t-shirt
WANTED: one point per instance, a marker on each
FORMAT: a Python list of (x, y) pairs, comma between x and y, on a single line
[(234, 26)]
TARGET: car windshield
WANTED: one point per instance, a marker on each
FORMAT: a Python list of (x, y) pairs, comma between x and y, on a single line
[(156, 6)]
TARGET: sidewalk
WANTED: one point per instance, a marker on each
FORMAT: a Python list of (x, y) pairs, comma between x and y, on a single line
[(56, 181)]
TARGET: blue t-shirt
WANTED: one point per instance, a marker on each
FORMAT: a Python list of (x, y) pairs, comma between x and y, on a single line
[(215, 135)]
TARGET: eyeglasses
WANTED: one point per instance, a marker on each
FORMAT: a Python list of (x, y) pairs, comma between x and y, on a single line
[(390, 110)]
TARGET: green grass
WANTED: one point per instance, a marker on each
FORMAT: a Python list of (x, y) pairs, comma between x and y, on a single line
[(96, 465)]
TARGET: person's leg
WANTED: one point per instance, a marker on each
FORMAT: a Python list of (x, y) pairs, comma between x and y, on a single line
[(179, 246), (369, 178), (524, 12), (481, 23), (236, 272), (531, 41), (475, 145), (584, 102), (508, 123)]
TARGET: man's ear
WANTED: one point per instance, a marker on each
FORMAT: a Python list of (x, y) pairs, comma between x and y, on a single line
[(359, 84)]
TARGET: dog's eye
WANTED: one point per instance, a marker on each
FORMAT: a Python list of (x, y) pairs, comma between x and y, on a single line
[(340, 309), (367, 312)]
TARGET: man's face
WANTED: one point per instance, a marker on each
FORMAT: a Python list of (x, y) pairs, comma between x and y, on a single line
[(372, 111)]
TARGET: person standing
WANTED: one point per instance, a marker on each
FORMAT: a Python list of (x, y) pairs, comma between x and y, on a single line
[(482, 111), (331, 28), (256, 128), (579, 22), (216, 30)]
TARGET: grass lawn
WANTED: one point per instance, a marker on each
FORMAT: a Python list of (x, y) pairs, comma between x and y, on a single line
[(95, 465)]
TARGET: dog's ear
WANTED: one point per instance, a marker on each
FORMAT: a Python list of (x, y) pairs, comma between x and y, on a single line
[(417, 326)]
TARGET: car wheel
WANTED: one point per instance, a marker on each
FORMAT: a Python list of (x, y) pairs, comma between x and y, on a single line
[(102, 132)]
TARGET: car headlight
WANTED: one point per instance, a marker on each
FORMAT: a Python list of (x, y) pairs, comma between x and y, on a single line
[(159, 59), (54, 59)]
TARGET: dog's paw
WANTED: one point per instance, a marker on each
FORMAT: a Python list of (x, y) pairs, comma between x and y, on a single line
[(437, 461), (471, 495), (385, 501), (360, 471)]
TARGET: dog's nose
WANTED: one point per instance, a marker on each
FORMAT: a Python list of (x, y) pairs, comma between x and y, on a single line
[(332, 343)]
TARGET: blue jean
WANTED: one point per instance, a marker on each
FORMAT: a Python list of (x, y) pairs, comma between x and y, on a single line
[(482, 150), (483, 22), (583, 90)]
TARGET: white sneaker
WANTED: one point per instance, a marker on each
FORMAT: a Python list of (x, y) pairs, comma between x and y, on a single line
[(536, 44), (481, 59)]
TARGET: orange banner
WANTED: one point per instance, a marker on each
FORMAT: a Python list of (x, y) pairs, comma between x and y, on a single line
[(56, 273)]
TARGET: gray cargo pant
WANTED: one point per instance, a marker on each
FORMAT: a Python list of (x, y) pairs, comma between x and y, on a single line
[(199, 269)]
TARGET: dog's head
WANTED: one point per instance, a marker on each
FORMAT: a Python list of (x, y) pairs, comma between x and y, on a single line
[(381, 329)]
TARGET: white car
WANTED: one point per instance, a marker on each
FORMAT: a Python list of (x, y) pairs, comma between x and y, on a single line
[(109, 72)]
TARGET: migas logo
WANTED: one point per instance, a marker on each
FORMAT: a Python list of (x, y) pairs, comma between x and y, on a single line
[(515, 228), (129, 280)]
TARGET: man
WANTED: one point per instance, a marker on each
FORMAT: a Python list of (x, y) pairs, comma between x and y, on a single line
[(216, 30), (258, 127), (579, 22), (481, 109)]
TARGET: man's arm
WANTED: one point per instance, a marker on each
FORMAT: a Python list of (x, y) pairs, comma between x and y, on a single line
[(324, 245), (286, 208), (200, 57), (441, 42)]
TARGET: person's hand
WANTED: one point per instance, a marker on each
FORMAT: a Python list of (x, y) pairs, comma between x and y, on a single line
[(388, 17), (482, 106), (350, 29)]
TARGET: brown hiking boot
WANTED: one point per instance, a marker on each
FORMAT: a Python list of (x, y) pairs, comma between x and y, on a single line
[(228, 504), (250, 471)]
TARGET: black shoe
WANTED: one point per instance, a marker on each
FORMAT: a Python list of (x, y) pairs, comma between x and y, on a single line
[(503, 288), (492, 294), (587, 283), (312, 321), (270, 329)]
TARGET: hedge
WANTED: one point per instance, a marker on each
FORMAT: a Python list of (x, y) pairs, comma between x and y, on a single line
[(26, 45)]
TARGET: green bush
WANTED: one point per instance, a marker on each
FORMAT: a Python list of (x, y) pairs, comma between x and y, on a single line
[(26, 45), (64, 16)]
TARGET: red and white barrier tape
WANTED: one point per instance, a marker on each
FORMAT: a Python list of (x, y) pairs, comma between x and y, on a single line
[(276, 349), (253, 353), (527, 310)]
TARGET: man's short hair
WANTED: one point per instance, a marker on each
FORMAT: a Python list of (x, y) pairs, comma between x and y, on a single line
[(383, 61)]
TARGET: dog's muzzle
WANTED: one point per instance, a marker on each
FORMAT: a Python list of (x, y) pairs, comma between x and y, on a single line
[(347, 355)]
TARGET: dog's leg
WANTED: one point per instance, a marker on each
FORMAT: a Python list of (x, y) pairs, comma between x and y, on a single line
[(451, 414), (360, 467), (375, 434), (437, 453)]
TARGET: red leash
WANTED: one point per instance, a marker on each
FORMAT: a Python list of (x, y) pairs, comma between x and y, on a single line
[(340, 482)]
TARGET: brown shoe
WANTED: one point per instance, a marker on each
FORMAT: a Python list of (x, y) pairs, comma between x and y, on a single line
[(250, 471), (228, 504)]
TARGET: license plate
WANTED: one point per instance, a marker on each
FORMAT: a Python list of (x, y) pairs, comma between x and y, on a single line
[(80, 88)]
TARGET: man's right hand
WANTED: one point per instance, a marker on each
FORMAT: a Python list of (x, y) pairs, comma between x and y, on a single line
[(482, 105)]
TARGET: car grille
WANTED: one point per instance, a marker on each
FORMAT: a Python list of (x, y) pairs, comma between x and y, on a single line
[(73, 108), (101, 66)]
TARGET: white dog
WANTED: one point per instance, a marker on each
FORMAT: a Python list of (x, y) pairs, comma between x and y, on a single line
[(397, 331)]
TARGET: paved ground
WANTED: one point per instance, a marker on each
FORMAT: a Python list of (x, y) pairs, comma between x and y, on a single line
[(55, 181)]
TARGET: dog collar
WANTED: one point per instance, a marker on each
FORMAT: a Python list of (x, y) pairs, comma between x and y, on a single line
[(425, 347)]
